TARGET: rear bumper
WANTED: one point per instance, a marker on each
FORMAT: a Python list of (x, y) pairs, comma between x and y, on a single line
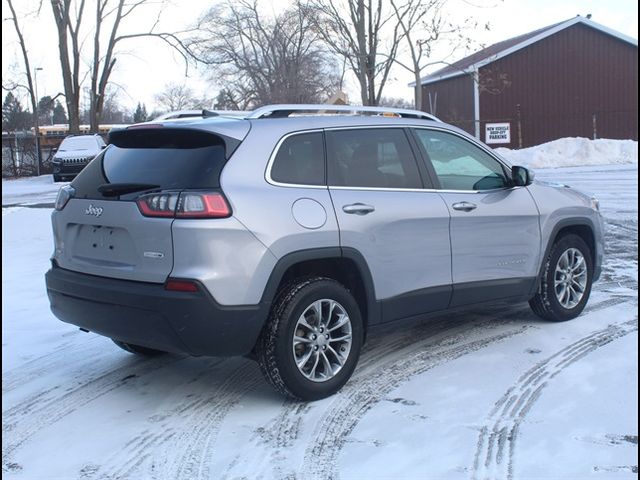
[(146, 314)]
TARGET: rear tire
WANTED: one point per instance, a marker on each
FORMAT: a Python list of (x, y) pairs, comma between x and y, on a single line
[(312, 340), (566, 282), (138, 349)]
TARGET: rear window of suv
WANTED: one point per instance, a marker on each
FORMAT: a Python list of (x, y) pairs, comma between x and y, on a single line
[(300, 160), (173, 159)]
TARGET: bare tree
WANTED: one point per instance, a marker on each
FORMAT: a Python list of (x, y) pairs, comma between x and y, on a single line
[(178, 97), (68, 26), (30, 84), (366, 33), (260, 59), (227, 99), (109, 18), (112, 111), (425, 25)]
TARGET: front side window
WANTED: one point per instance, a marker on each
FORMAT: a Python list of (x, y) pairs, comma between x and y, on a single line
[(300, 160), (459, 164), (375, 158)]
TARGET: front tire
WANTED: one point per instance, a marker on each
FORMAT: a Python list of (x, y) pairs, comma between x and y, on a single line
[(566, 282), (311, 343), (138, 349)]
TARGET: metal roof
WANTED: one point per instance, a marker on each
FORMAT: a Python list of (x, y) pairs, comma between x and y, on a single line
[(496, 51)]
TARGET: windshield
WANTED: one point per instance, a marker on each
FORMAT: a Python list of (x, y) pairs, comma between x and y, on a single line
[(80, 143)]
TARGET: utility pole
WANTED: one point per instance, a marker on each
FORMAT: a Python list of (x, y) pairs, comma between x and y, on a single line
[(519, 120), (36, 120)]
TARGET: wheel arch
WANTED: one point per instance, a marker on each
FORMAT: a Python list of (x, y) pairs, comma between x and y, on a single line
[(345, 265), (581, 226)]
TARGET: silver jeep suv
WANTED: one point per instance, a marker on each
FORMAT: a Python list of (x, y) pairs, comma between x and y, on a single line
[(287, 234)]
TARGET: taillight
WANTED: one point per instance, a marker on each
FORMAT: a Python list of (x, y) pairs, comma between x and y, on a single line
[(202, 205), (158, 204), (184, 205), (65, 194), (181, 285)]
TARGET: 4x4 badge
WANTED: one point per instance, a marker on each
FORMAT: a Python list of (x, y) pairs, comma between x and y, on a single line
[(91, 210)]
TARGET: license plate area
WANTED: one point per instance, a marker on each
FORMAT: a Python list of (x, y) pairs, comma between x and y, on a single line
[(104, 244)]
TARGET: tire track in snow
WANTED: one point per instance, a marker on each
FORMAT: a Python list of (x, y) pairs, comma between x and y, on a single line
[(47, 407), (351, 406), (353, 402), (495, 448), (56, 360), (197, 445), (140, 448), (271, 441), (174, 446)]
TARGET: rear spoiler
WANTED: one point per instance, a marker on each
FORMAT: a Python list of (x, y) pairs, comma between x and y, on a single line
[(156, 135)]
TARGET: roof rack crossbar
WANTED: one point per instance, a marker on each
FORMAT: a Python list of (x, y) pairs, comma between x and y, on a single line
[(284, 110)]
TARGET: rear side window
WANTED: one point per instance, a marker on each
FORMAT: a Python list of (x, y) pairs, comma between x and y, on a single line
[(376, 158), (300, 160), (172, 159)]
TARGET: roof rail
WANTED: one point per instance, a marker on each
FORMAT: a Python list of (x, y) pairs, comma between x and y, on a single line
[(284, 110), (204, 113)]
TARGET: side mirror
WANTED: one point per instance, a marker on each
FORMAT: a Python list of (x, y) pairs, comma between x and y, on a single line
[(521, 176)]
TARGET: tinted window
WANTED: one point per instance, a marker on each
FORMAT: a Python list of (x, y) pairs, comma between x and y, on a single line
[(459, 164), (379, 158), (300, 160), (173, 159)]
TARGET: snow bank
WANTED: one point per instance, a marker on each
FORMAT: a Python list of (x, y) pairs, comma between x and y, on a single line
[(573, 152)]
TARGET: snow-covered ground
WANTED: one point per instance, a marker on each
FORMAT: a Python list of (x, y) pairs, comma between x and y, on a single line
[(31, 190), (493, 392)]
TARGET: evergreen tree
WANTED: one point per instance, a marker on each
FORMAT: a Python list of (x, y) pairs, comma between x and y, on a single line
[(14, 117), (45, 109), (59, 113), (140, 115)]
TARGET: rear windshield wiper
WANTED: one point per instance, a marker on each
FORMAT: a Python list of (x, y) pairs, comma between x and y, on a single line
[(116, 189)]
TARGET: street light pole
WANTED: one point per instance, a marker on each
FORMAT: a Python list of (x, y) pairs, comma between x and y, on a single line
[(36, 121)]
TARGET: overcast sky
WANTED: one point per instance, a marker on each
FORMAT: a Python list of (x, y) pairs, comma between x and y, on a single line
[(149, 65)]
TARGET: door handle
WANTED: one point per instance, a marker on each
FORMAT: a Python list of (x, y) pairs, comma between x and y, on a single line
[(358, 209), (464, 206)]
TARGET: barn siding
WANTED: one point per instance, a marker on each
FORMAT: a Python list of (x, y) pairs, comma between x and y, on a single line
[(454, 103), (560, 82)]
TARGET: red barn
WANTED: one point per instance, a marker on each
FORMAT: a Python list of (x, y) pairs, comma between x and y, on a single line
[(576, 78)]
